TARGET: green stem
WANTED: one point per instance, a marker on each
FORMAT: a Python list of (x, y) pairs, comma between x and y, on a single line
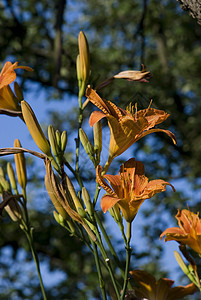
[(107, 260), (101, 281), (29, 235), (128, 256), (96, 194), (113, 252)]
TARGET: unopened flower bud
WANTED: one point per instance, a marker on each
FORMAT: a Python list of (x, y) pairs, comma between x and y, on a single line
[(88, 147), (64, 139), (83, 57), (87, 201), (20, 164), (35, 129), (53, 140), (18, 92), (183, 265), (97, 130), (11, 175), (75, 198), (58, 137), (5, 184), (2, 172)]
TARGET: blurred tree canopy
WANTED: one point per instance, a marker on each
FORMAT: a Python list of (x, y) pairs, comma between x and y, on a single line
[(122, 35)]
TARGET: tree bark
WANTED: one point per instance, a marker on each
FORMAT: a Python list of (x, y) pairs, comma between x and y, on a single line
[(193, 7)]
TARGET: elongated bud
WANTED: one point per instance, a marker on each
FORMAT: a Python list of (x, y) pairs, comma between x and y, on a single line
[(79, 78), (11, 175), (87, 201), (1, 189), (84, 58), (53, 140), (97, 130), (88, 147), (183, 265), (5, 184), (115, 213), (58, 137), (2, 172), (35, 129), (18, 92), (64, 139), (20, 164), (75, 198), (54, 200)]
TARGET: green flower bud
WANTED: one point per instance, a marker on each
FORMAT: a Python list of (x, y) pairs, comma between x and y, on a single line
[(88, 147), (11, 175), (20, 164), (53, 140), (64, 139), (87, 201)]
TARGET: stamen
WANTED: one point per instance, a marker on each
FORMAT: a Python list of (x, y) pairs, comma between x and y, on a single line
[(150, 104)]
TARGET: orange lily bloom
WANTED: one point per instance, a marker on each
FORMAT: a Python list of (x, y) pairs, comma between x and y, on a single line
[(189, 232), (161, 289), (129, 189), (7, 98), (125, 126)]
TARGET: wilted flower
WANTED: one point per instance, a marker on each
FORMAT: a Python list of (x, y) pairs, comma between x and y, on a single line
[(61, 198), (7, 98), (126, 127), (129, 189), (161, 289), (189, 232), (130, 75)]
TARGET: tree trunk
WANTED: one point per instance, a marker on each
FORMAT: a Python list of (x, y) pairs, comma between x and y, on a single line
[(193, 7)]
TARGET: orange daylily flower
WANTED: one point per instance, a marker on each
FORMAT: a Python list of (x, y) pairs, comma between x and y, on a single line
[(129, 189), (161, 289), (189, 232), (126, 127), (7, 98)]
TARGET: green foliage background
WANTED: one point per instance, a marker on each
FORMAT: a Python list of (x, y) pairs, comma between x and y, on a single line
[(122, 35)]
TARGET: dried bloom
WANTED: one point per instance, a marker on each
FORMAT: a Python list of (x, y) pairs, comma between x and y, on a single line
[(130, 75), (126, 127), (7, 98), (189, 232), (129, 189), (61, 198), (161, 289)]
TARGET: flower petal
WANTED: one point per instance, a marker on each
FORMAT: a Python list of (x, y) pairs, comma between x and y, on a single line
[(108, 202)]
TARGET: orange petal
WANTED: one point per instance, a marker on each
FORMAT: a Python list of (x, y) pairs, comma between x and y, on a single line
[(95, 117), (108, 202)]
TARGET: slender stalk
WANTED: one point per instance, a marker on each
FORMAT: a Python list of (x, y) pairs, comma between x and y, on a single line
[(96, 194), (107, 260), (112, 250), (29, 234), (128, 256), (100, 277)]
